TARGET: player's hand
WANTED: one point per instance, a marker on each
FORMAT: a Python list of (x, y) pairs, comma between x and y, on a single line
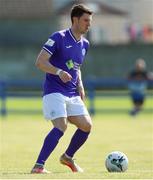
[(65, 76)]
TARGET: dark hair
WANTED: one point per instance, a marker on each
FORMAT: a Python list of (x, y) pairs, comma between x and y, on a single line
[(78, 10)]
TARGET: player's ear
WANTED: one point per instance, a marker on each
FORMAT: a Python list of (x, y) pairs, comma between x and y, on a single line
[(75, 19)]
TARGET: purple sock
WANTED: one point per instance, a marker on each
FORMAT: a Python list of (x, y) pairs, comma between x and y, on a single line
[(50, 143), (77, 141)]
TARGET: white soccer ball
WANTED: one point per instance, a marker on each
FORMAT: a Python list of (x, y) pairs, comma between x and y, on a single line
[(116, 162)]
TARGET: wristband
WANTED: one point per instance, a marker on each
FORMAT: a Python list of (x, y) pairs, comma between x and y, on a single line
[(58, 72)]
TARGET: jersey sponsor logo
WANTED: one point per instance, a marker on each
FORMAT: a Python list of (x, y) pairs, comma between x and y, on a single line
[(50, 42), (76, 66), (72, 65), (83, 51)]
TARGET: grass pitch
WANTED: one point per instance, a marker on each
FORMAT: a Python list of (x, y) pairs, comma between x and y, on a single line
[(22, 137)]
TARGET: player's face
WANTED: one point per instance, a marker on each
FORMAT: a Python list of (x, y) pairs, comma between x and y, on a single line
[(83, 23)]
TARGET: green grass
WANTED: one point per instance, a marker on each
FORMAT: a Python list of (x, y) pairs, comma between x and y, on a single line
[(22, 137), (102, 103)]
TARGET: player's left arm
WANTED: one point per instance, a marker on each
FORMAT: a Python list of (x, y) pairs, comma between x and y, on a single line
[(80, 86)]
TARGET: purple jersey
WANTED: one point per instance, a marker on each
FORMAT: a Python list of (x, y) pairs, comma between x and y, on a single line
[(67, 54)]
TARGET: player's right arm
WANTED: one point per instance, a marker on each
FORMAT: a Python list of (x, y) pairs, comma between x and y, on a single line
[(43, 64)]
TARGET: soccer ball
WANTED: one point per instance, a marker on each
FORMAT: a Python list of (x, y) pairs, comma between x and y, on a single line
[(116, 162)]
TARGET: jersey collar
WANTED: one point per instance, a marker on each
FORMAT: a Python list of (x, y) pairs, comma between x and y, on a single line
[(71, 34)]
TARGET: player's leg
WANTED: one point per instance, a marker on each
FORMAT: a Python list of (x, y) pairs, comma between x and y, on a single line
[(139, 104), (83, 124), (55, 110), (138, 100), (50, 142), (77, 115)]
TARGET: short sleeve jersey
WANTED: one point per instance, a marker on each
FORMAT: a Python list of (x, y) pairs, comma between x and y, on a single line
[(138, 75), (67, 54)]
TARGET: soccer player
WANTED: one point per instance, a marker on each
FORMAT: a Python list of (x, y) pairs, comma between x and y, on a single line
[(138, 85), (61, 58)]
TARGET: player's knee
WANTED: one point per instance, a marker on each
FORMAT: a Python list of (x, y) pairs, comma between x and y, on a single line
[(60, 123), (62, 127), (87, 127)]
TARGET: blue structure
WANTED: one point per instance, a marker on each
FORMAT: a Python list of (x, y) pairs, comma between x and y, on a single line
[(13, 89)]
